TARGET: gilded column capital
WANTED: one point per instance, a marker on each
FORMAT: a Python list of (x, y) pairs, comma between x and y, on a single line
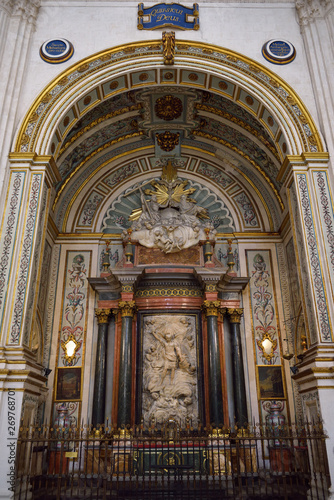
[(102, 315), (235, 314), (127, 308), (212, 307)]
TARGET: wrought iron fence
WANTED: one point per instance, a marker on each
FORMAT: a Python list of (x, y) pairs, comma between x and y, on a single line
[(255, 462)]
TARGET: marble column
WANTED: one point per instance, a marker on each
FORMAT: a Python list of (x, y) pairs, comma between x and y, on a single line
[(240, 403), (103, 316), (212, 309), (127, 309)]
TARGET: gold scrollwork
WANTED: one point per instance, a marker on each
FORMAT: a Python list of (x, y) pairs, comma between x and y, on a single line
[(235, 314), (70, 347), (127, 308), (267, 345), (102, 315), (212, 307), (168, 140), (168, 45)]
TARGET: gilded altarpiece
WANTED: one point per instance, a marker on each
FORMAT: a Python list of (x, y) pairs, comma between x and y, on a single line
[(170, 369)]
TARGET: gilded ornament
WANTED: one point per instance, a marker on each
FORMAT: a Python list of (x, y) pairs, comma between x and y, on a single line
[(25, 139), (253, 68), (128, 308), (46, 99), (113, 85), (222, 85), (87, 100), (274, 83), (168, 107), (207, 51), (303, 119), (168, 76), (63, 81), (267, 345), (102, 315), (291, 100), (83, 68), (105, 57), (129, 50), (249, 100), (235, 314), (232, 59), (212, 307), (270, 121), (143, 77), (167, 141), (193, 77), (168, 45), (312, 140), (70, 347), (34, 117), (127, 288)]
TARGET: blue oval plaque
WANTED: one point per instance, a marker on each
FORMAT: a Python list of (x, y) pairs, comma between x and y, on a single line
[(278, 51), (56, 50)]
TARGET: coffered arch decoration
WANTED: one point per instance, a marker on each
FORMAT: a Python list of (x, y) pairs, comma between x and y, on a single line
[(228, 109)]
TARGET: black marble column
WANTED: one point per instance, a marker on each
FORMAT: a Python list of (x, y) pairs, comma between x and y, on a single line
[(98, 414), (240, 402), (125, 368), (211, 309)]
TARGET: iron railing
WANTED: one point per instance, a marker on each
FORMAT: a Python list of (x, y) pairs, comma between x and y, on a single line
[(256, 462)]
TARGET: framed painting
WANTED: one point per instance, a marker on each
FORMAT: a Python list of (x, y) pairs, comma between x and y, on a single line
[(68, 386), (270, 382)]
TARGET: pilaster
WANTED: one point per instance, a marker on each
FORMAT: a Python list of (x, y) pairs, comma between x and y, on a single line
[(17, 20), (21, 244), (311, 210), (316, 19)]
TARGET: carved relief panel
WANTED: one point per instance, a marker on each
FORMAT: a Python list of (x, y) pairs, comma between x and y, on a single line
[(170, 369)]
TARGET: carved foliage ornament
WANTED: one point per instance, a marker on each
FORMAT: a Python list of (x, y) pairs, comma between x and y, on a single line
[(102, 315), (168, 46), (168, 107), (212, 307), (168, 140), (127, 308), (235, 314)]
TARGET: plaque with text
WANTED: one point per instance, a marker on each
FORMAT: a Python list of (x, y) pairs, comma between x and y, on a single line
[(56, 51), (279, 51), (172, 15)]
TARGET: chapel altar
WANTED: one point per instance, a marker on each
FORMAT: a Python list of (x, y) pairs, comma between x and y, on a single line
[(177, 313)]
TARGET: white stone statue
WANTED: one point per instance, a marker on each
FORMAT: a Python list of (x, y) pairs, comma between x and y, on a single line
[(169, 220), (169, 368)]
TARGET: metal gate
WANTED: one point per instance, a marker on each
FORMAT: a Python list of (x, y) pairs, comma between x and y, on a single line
[(256, 462)]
